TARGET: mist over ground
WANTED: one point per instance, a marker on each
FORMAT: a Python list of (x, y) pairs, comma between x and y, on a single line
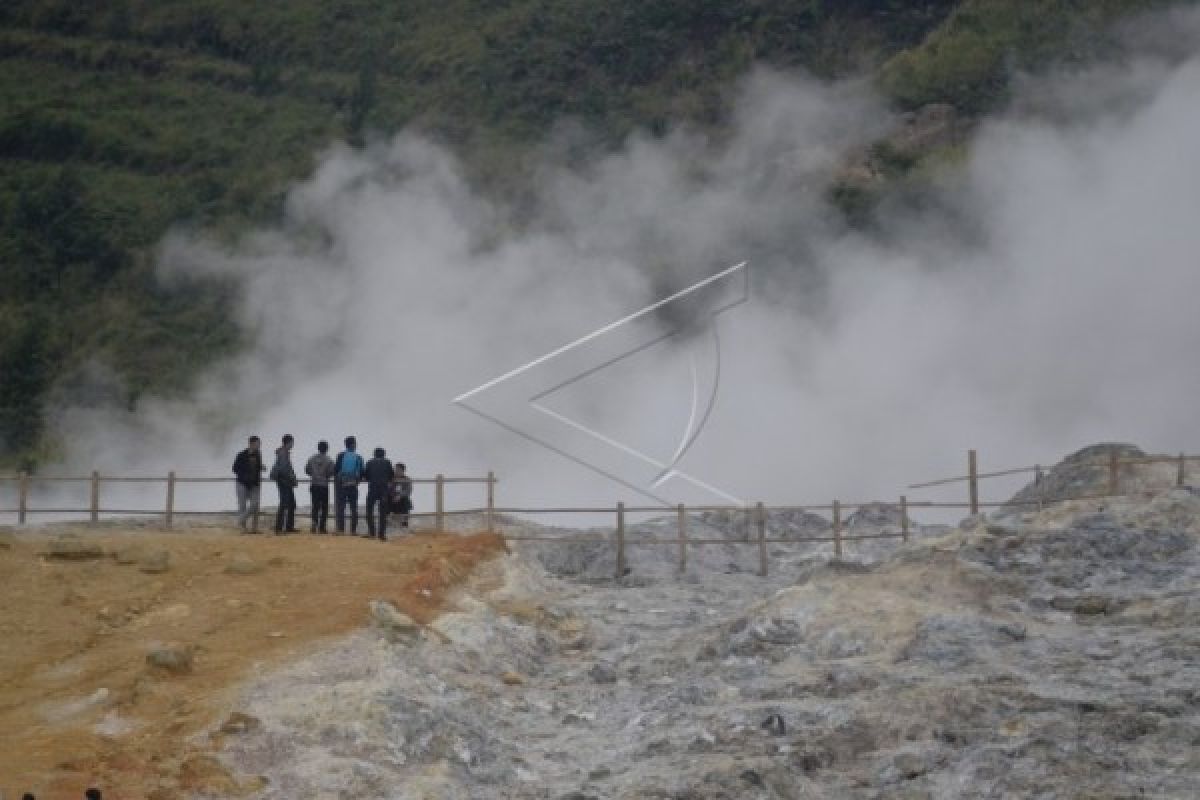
[(1041, 297)]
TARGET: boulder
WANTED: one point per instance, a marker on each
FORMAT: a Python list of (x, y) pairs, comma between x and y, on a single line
[(72, 548), (603, 673), (242, 564), (155, 562), (395, 625), (128, 555), (511, 678), (237, 723), (171, 657)]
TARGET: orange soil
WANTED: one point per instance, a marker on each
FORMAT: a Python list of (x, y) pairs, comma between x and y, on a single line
[(74, 630)]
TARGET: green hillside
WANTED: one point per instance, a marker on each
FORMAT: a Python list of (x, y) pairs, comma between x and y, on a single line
[(122, 118)]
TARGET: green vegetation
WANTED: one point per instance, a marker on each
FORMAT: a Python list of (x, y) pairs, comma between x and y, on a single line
[(122, 118), (969, 60)]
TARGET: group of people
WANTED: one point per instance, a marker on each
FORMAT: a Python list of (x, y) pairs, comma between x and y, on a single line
[(389, 489)]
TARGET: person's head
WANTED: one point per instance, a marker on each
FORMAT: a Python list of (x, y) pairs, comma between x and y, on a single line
[(322, 447), (92, 794), (351, 443), (379, 452), (400, 468), (254, 444), (288, 440), (28, 796)]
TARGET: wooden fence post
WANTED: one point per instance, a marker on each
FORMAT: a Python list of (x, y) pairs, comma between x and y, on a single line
[(904, 518), (440, 508), (1037, 484), (1179, 471), (762, 540), (170, 498), (620, 540), (491, 502), (837, 529), (682, 538), (23, 497), (973, 481), (95, 504), (1114, 473)]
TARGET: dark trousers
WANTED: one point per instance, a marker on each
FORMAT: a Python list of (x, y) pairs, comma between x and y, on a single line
[(347, 496), (285, 517), (320, 507), (377, 499)]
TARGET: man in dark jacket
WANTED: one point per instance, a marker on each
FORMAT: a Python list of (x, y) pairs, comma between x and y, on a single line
[(248, 469), (379, 475), (284, 476), (320, 469)]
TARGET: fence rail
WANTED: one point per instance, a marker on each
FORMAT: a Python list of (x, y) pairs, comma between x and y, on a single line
[(169, 510), (755, 516)]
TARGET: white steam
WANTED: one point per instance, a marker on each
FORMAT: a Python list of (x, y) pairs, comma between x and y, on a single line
[(1058, 307)]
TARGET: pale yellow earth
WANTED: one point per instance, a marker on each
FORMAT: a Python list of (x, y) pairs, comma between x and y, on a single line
[(79, 703)]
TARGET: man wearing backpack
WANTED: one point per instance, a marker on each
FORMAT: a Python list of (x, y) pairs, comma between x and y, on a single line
[(320, 469), (379, 475), (248, 469), (348, 469), (284, 476)]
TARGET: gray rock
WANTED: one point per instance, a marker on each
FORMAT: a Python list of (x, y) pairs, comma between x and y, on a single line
[(395, 625), (242, 564), (603, 673), (72, 548), (172, 658), (155, 562)]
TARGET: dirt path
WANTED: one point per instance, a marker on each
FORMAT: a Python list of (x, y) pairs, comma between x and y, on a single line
[(79, 703)]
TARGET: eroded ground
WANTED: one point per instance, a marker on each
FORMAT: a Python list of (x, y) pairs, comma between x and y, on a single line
[(80, 704)]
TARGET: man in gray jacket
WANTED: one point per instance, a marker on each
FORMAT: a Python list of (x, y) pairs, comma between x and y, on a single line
[(284, 476), (320, 469)]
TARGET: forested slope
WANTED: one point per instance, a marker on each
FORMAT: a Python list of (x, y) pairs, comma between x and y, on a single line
[(122, 118)]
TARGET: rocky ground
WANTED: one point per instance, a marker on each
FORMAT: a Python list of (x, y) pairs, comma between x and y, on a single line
[(1037, 654), (121, 649)]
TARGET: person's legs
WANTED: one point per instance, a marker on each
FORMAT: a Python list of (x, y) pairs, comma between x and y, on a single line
[(253, 497), (314, 505), (242, 494), (383, 514), (352, 500), (290, 508), (322, 500), (281, 512), (372, 502), (339, 511)]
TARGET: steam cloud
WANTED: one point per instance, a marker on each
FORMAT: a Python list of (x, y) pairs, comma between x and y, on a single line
[(1056, 306)]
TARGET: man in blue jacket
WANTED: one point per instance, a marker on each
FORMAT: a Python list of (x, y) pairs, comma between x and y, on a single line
[(348, 473)]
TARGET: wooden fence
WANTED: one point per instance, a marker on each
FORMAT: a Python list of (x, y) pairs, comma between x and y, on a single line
[(169, 510), (755, 515)]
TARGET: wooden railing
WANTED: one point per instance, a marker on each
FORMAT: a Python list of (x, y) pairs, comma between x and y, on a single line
[(755, 515), (169, 510), (1112, 464)]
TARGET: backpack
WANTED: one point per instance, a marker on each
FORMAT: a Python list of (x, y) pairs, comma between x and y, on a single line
[(350, 469)]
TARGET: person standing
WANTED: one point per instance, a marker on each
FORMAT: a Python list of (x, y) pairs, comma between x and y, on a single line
[(284, 476), (401, 498), (320, 469), (348, 469), (248, 469), (379, 475)]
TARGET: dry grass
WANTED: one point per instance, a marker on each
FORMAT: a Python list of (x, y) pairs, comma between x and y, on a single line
[(80, 706)]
